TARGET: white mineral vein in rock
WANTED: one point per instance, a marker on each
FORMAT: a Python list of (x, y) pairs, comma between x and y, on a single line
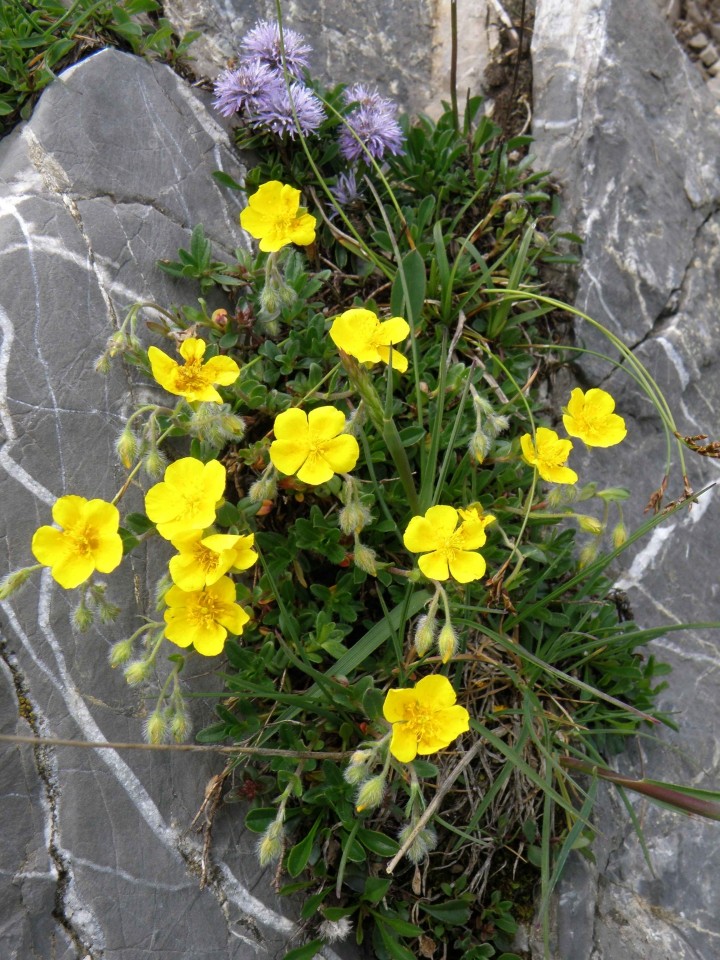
[(676, 359)]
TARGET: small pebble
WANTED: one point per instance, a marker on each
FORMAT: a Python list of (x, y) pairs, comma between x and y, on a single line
[(709, 56), (714, 87), (699, 41)]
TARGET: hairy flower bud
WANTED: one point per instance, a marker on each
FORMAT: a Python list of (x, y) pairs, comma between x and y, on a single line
[(264, 488), (137, 671), (353, 517), (447, 642), (155, 463), (155, 727), (365, 558), (14, 581), (82, 617), (126, 447), (423, 843), (619, 535), (479, 445), (370, 794), (120, 652), (424, 634), (270, 844), (588, 553), (590, 524), (180, 726)]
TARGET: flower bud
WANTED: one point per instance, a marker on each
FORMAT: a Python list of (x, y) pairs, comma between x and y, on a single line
[(587, 491), (588, 553), (180, 726), (120, 652), (479, 445), (355, 773), (589, 524), (371, 793), (155, 463), (264, 488), (424, 634), (424, 842), (126, 447), (365, 558), (82, 617), (155, 727), (137, 671), (14, 581), (447, 642), (351, 518), (619, 535), (270, 844), (102, 364), (496, 423)]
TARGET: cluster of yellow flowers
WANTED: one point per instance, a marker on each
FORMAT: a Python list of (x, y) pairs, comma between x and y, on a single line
[(589, 417), (201, 607)]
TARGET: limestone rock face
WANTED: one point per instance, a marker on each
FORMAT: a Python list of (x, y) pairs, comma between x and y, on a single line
[(626, 125), (110, 174)]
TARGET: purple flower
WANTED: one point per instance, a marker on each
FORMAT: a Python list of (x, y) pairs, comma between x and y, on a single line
[(239, 90), (373, 124), (274, 112), (346, 190), (263, 43)]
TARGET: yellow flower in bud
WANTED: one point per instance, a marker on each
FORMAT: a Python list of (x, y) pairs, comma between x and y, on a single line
[(589, 416), (447, 642), (275, 218), (204, 618), (186, 499), (619, 535), (424, 719), (370, 794), (590, 524), (88, 541), (364, 336), (549, 455), (270, 844), (313, 445), (448, 549), (194, 380)]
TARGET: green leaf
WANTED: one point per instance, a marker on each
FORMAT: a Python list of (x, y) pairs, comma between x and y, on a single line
[(407, 296), (456, 913), (138, 522), (376, 888), (300, 854), (378, 843), (306, 952), (225, 180), (259, 818)]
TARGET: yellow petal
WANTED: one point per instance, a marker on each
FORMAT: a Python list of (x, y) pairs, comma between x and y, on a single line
[(48, 545), (434, 566), (72, 570), (435, 691), (555, 474), (420, 535), (449, 724), (222, 370), (291, 425), (444, 519), (109, 553), (529, 452), (394, 330), (302, 231), (163, 367), (289, 455), (341, 453), (396, 704), (315, 470), (466, 566), (68, 510), (403, 745), (209, 641), (192, 349), (103, 516), (324, 423)]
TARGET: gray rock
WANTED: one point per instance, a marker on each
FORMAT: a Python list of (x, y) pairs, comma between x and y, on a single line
[(402, 48), (623, 120), (111, 173)]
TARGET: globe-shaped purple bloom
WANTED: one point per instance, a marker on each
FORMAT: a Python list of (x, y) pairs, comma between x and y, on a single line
[(274, 112), (372, 125), (263, 43), (238, 91)]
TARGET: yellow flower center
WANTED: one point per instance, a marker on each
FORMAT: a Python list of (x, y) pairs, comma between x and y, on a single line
[(84, 540), (421, 721), (452, 545), (191, 376), (206, 611), (206, 559)]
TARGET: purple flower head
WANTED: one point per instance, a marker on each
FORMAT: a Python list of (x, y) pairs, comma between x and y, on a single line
[(263, 43), (274, 112), (373, 123), (239, 90), (346, 190)]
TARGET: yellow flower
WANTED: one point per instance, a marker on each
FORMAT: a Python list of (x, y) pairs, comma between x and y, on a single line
[(424, 719), (447, 547), (203, 560), (313, 445), (275, 218), (589, 416), (361, 334), (549, 454), (194, 379), (89, 540), (204, 618), (186, 499)]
